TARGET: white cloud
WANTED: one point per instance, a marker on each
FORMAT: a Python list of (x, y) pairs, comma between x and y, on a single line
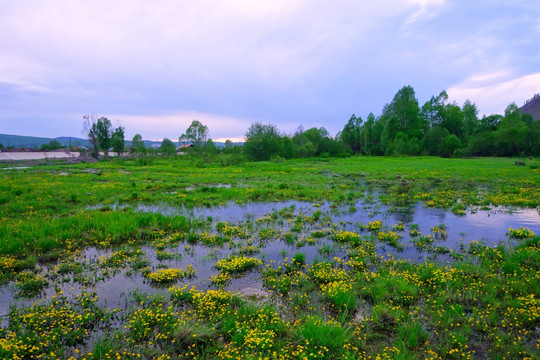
[(426, 9), (494, 97), (24, 86)]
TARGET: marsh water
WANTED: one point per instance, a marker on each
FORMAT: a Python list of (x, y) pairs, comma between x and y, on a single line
[(115, 289)]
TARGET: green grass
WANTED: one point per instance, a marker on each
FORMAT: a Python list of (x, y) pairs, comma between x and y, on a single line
[(354, 306)]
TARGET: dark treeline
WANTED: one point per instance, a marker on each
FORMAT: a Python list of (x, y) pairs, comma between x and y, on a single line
[(404, 128), (441, 128), (437, 128)]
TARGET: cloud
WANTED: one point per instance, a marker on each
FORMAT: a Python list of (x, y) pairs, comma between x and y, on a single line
[(287, 62), (425, 10), (24, 86), (492, 97)]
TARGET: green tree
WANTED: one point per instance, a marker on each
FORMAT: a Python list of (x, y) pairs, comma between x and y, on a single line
[(351, 134), (433, 109), (52, 145), (489, 123), (286, 147), (196, 134), (511, 134), (137, 144), (470, 118), (104, 132), (262, 141), (431, 143), (117, 140), (389, 132), (453, 120), (406, 112), (167, 147), (368, 138), (450, 144)]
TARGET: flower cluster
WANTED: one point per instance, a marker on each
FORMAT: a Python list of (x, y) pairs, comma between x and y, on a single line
[(166, 276), (374, 225), (345, 236), (521, 233), (237, 263)]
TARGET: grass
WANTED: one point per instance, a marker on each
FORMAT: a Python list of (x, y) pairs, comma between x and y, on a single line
[(483, 302)]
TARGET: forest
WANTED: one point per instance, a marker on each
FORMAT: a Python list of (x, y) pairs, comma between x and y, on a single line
[(404, 128), (437, 128)]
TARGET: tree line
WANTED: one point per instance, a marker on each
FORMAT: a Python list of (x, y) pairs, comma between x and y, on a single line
[(441, 128), (437, 128)]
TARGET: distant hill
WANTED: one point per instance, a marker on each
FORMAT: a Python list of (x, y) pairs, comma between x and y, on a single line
[(36, 142), (33, 141), (532, 106)]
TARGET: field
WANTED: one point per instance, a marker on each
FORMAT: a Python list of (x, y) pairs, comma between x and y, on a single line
[(357, 258)]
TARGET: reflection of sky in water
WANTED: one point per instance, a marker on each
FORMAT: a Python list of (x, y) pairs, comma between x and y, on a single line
[(488, 226)]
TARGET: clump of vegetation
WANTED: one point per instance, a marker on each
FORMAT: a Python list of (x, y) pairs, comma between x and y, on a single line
[(235, 264), (171, 275), (521, 233)]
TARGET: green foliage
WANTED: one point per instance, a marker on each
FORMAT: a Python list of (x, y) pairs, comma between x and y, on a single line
[(351, 134), (449, 145), (137, 145), (52, 145), (262, 141), (103, 133), (196, 134), (167, 147), (117, 140)]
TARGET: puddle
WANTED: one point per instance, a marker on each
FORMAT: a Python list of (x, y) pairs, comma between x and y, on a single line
[(115, 289)]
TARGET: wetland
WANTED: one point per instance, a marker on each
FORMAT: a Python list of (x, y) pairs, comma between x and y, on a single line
[(357, 258)]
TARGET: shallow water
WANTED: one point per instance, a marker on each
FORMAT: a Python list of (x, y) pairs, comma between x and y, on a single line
[(488, 226)]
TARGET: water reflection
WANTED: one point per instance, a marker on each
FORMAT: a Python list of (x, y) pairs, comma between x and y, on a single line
[(115, 290)]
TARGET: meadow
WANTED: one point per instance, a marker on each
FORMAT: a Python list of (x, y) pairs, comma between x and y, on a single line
[(174, 258)]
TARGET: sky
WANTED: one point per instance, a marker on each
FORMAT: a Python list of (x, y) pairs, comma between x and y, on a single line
[(155, 66)]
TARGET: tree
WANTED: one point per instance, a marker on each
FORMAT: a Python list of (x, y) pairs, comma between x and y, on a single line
[(449, 145), (453, 120), (351, 134), (489, 123), (470, 118), (104, 131), (90, 130), (117, 140), (431, 143), (196, 134), (433, 110), (52, 145), (511, 133), (368, 135), (262, 141), (286, 147), (167, 147), (405, 110), (137, 144)]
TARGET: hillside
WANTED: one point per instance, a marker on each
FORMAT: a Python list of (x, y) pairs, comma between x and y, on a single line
[(19, 141), (33, 141), (532, 107)]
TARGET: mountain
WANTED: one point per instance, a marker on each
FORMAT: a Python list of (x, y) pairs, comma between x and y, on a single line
[(33, 141), (19, 141), (532, 106)]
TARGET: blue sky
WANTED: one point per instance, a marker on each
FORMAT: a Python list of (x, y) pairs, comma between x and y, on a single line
[(154, 66)]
